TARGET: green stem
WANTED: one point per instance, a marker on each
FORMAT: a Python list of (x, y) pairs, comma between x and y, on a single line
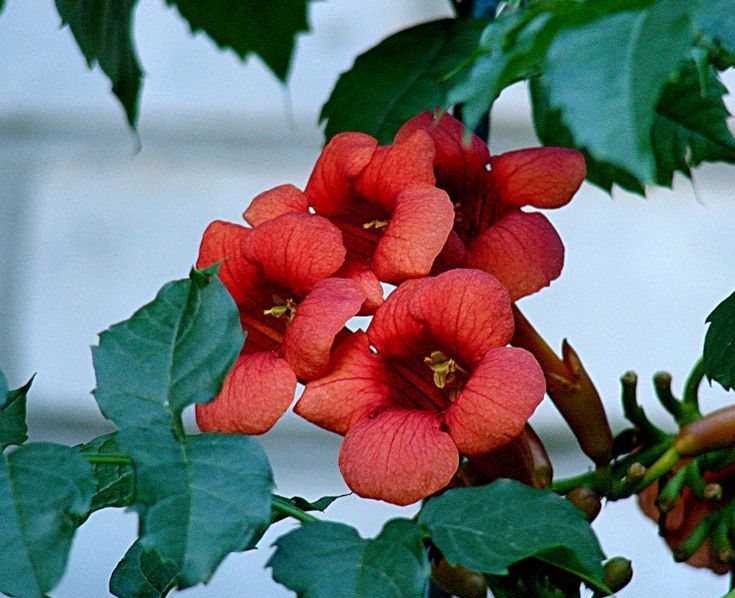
[(662, 384), (108, 458), (634, 412), (660, 468), (283, 506), (690, 400)]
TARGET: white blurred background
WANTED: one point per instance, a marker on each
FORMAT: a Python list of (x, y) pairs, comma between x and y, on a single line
[(90, 229)]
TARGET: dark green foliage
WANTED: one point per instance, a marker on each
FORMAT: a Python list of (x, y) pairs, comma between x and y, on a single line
[(719, 344), (303, 504), (115, 481), (103, 31), (401, 76), (13, 428), (142, 574)]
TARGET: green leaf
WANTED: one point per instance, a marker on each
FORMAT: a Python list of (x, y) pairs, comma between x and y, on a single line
[(551, 130), (303, 504), (716, 18), (690, 126), (115, 481), (13, 428), (171, 353), (489, 528), (608, 76), (719, 344), (45, 492), (330, 560), (378, 100), (265, 28), (142, 574), (199, 499), (103, 31)]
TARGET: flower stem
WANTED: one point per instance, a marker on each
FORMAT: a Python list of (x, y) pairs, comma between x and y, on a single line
[(690, 401), (284, 506)]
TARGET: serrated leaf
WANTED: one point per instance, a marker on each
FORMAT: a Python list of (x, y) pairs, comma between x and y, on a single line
[(551, 130), (489, 528), (690, 126), (115, 481), (103, 32), (716, 18), (13, 428), (199, 499), (171, 353), (719, 344), (608, 76), (320, 504), (377, 100), (265, 28), (331, 560), (142, 574), (45, 492)]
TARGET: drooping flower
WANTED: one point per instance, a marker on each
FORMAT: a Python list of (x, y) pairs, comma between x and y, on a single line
[(687, 513), (393, 219), (279, 275), (491, 232), (439, 382)]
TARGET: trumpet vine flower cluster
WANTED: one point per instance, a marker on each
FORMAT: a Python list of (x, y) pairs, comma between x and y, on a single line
[(432, 379)]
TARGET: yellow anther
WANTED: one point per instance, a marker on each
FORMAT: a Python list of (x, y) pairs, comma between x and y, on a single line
[(282, 307), (444, 368), (376, 224)]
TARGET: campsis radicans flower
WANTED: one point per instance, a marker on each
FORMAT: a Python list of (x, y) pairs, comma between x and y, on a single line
[(280, 276), (431, 379), (491, 232), (394, 220)]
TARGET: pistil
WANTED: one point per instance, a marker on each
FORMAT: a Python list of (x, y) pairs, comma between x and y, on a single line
[(282, 308), (446, 372)]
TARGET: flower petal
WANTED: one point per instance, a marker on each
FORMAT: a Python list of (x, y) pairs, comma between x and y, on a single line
[(283, 199), (419, 226), (393, 167), (256, 392), (295, 251), (222, 242), (319, 317), (545, 177), (452, 255), (341, 161), (522, 250), (496, 402), (354, 387), (467, 312), (360, 272), (399, 456), (459, 167)]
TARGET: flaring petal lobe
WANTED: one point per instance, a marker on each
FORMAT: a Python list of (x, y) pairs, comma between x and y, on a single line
[(255, 394), (418, 229), (341, 161), (354, 387), (222, 242), (393, 167), (319, 317), (544, 177), (398, 456), (362, 274), (467, 312), (295, 251), (496, 402), (523, 250), (280, 200)]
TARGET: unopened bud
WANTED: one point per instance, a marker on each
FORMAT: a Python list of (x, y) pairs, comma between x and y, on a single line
[(626, 442), (458, 581), (726, 555), (618, 573), (712, 492), (635, 472), (586, 501)]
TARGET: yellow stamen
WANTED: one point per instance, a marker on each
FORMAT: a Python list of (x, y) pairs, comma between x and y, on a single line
[(444, 369), (282, 307), (376, 224)]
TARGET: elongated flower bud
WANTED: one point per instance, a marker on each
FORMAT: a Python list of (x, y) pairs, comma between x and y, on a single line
[(715, 431), (458, 581), (618, 573)]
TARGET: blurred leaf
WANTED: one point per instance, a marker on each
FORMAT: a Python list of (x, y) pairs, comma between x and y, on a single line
[(265, 28), (13, 428), (45, 492), (488, 528), (142, 574), (607, 78), (103, 31), (716, 18), (719, 344), (303, 504), (331, 560), (115, 482), (400, 77), (171, 353)]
